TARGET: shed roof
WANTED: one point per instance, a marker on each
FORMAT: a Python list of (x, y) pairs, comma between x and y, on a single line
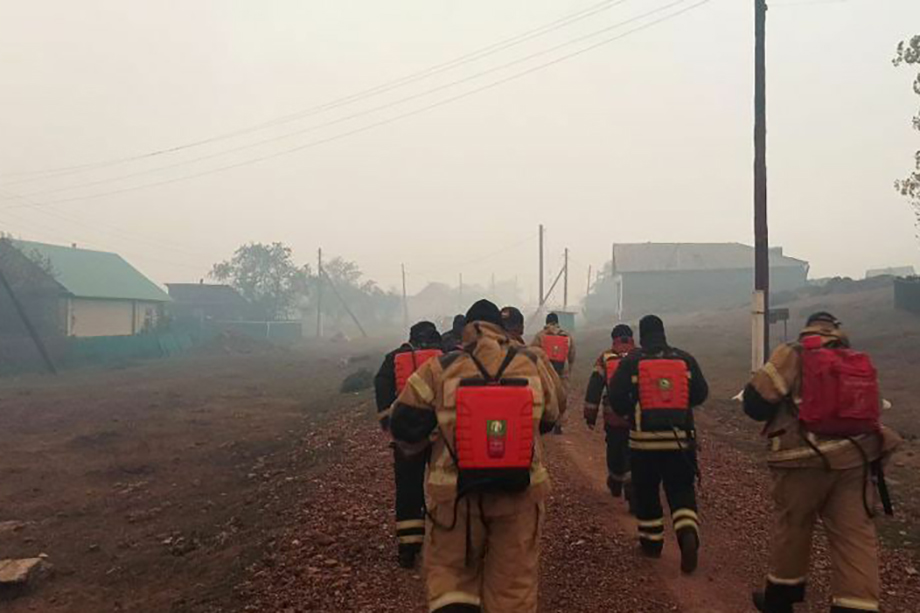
[(205, 293), (894, 271), (94, 274), (659, 257)]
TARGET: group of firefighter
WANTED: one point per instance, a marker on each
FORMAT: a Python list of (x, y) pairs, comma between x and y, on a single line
[(466, 412)]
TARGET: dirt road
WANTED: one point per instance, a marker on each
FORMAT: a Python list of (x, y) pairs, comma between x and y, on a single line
[(243, 481)]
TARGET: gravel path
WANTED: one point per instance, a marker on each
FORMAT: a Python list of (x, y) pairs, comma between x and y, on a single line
[(335, 552)]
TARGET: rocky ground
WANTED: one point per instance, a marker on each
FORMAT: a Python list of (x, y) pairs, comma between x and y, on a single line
[(247, 482)]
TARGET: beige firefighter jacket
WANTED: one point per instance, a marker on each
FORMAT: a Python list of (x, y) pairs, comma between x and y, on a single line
[(779, 382), (555, 330), (432, 389)]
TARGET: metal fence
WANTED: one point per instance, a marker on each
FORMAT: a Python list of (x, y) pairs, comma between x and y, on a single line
[(18, 355)]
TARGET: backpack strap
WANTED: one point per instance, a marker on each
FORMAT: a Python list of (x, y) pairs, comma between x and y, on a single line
[(512, 351)]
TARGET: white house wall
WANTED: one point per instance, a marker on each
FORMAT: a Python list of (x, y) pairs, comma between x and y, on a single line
[(108, 317)]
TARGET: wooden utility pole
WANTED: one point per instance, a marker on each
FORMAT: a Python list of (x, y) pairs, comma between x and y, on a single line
[(319, 295), (46, 358), (565, 283), (761, 302), (542, 298), (344, 304), (405, 300), (588, 290)]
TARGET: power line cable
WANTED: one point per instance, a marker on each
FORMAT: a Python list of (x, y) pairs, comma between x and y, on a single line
[(467, 58), (359, 114), (477, 260), (108, 228), (42, 233), (807, 3), (383, 122)]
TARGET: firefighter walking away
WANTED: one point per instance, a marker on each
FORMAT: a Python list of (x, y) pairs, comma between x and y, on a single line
[(513, 323), (398, 365), (481, 412), (559, 348), (452, 340), (821, 404), (656, 388), (616, 428)]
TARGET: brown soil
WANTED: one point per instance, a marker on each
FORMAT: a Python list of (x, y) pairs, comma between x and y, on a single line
[(239, 479), (154, 488)]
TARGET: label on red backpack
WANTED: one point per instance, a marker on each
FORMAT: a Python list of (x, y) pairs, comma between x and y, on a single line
[(496, 432)]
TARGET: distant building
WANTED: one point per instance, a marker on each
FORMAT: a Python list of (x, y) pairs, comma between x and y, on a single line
[(892, 271), (686, 277), (96, 293), (206, 301)]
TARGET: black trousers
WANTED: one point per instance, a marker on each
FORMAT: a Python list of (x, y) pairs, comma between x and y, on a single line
[(410, 499), (676, 471), (617, 458)]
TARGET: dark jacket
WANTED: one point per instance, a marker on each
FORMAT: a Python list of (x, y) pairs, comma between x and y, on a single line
[(623, 393), (452, 341)]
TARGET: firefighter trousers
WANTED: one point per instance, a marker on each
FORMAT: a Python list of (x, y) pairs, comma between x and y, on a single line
[(410, 499), (676, 471), (488, 560), (617, 458), (836, 497)]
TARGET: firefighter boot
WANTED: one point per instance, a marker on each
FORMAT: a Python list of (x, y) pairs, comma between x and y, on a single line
[(408, 554), (760, 603), (689, 543), (615, 487), (629, 496)]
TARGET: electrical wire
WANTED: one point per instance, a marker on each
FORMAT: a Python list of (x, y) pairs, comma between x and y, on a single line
[(462, 60), (359, 114), (477, 260), (387, 121), (806, 3), (110, 229), (42, 233)]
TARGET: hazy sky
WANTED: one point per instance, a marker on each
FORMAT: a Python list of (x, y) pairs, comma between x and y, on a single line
[(645, 139)]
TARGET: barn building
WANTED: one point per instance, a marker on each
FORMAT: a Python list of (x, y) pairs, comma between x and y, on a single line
[(686, 277), (208, 302)]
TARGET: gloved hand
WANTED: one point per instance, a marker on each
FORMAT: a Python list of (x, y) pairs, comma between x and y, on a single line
[(590, 411)]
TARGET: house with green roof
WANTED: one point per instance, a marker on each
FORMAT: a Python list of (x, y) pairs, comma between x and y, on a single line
[(98, 293)]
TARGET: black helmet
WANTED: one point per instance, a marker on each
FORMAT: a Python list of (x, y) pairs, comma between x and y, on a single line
[(483, 310), (823, 317)]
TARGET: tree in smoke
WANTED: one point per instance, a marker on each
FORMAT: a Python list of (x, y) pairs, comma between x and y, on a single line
[(909, 53), (266, 275), (32, 277), (368, 302)]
